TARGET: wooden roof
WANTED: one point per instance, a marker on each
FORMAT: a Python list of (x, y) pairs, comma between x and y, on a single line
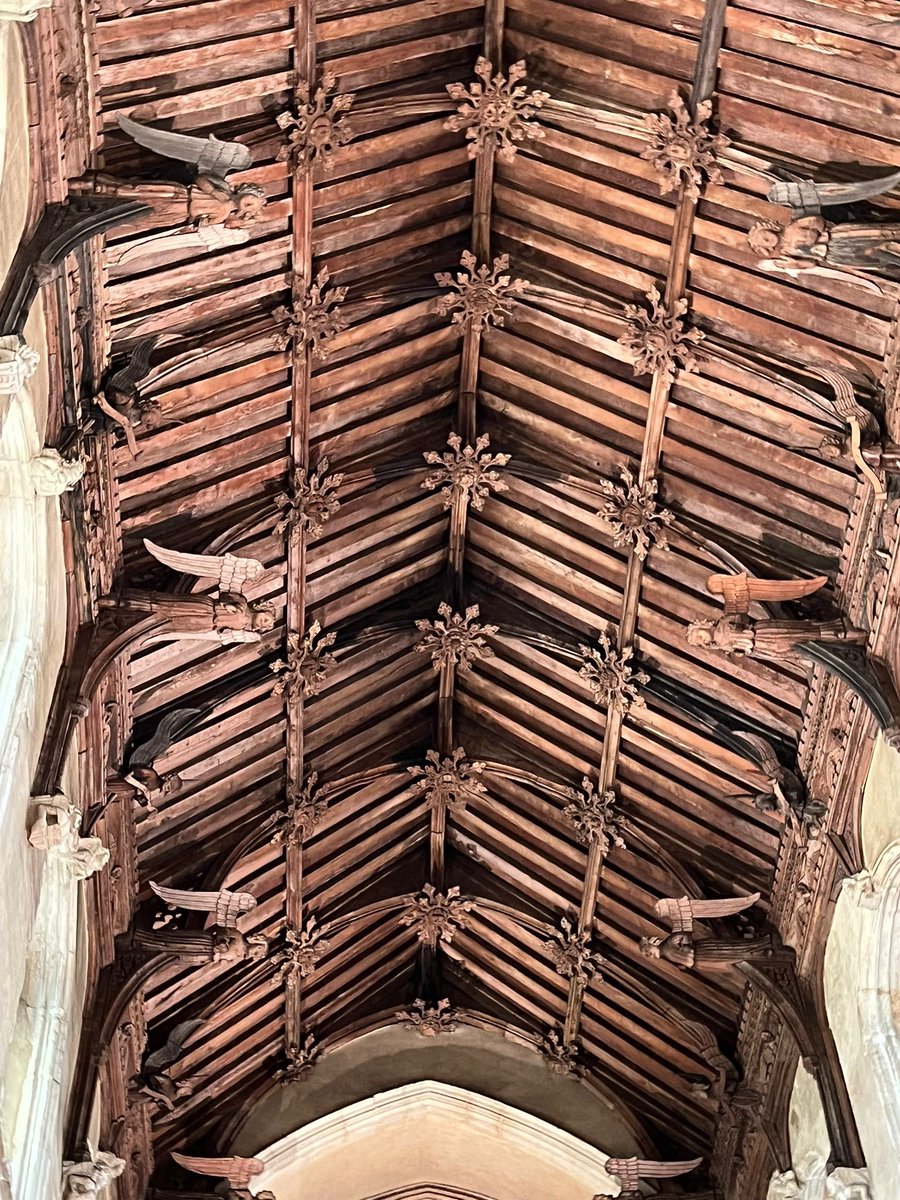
[(733, 444)]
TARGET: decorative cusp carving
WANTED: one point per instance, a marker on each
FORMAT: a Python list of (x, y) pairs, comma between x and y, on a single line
[(448, 782), (631, 514), (496, 111), (609, 674), (467, 474), (455, 640), (307, 665), (682, 149), (658, 340), (479, 297)]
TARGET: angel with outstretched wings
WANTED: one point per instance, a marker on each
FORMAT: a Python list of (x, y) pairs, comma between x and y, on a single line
[(225, 905), (224, 616), (209, 200), (740, 590), (630, 1171), (139, 768), (153, 1083)]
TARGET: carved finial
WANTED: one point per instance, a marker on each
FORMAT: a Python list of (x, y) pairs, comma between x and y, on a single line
[(682, 150), (465, 474), (658, 339), (306, 808), (571, 954), (561, 1057), (479, 296), (496, 111), (591, 812), (300, 1059), (631, 514), (307, 665), (315, 319), (448, 782), (302, 950), (453, 640), (430, 1019), (610, 676), (317, 127), (309, 502), (436, 916)]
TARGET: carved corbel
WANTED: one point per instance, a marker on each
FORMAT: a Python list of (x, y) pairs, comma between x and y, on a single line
[(56, 831), (92, 1176), (18, 362)]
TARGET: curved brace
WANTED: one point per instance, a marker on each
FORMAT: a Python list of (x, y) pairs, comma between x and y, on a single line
[(865, 676)]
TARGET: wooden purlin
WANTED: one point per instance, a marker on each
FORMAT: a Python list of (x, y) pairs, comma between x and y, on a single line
[(702, 89)]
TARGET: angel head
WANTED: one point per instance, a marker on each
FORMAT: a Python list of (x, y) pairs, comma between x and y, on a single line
[(249, 201), (262, 616), (650, 947), (702, 633), (765, 238)]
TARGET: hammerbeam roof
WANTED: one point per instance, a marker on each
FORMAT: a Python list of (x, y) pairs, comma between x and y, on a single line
[(733, 445)]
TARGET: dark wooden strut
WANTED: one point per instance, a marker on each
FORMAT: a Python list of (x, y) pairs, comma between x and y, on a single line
[(302, 198), (703, 87)]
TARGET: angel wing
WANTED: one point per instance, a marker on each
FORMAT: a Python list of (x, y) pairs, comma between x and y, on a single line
[(632, 1170), (227, 906), (125, 380), (679, 914), (229, 571), (794, 268), (174, 1047), (739, 591), (807, 198), (172, 726), (209, 155), (237, 1171)]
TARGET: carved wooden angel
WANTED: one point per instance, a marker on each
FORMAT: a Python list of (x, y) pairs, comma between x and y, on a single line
[(787, 793), (139, 768), (209, 200), (832, 251), (713, 954), (153, 1082), (224, 616), (765, 637), (680, 914), (198, 947), (226, 906)]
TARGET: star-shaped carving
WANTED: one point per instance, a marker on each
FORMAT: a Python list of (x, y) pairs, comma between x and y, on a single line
[(448, 782), (593, 816), (306, 808), (610, 676), (682, 150), (479, 296), (317, 126), (571, 954), (430, 1019), (496, 110), (307, 665), (314, 320), (659, 340), (466, 474), (302, 950), (455, 640), (436, 916), (631, 514), (309, 502)]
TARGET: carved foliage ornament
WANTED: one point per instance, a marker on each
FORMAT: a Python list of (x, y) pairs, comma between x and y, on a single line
[(561, 1057), (315, 319), (316, 127), (306, 808), (592, 814), (479, 296), (682, 150), (610, 676), (448, 782), (437, 916), (496, 111), (301, 1058), (430, 1019), (658, 340), (453, 640), (632, 516), (307, 665), (465, 474), (303, 948), (571, 954), (310, 501)]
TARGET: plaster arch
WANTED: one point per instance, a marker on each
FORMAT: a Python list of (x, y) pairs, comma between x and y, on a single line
[(423, 1139), (480, 1062)]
